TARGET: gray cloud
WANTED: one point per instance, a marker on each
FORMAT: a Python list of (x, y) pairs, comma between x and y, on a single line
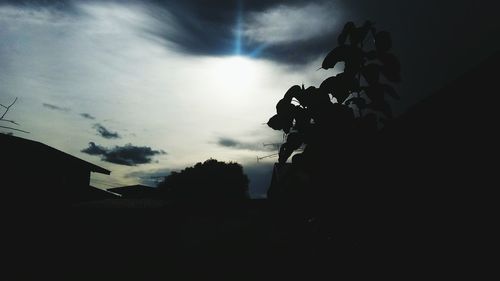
[(235, 144), (285, 24), (55, 107), (87, 116), (222, 28), (105, 133), (128, 155)]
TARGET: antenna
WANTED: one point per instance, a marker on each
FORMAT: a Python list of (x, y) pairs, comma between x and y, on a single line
[(267, 156)]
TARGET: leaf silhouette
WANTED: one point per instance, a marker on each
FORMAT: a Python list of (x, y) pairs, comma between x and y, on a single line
[(339, 86), (371, 55), (383, 41), (382, 106), (390, 91), (358, 101), (334, 56), (348, 27), (371, 73), (285, 108), (294, 92), (357, 35), (280, 122), (391, 67), (294, 140), (352, 57)]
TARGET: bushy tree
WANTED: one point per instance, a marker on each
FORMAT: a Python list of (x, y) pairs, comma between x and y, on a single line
[(211, 180), (346, 106)]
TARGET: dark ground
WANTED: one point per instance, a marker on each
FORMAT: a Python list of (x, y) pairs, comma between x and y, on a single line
[(256, 240)]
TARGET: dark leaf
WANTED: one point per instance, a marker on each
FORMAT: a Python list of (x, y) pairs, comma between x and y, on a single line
[(357, 35), (375, 92), (294, 92), (294, 140), (284, 153), (391, 67), (382, 106), (336, 55), (371, 73), (371, 55), (284, 108), (345, 32), (358, 101), (275, 122), (390, 91), (339, 86), (383, 42)]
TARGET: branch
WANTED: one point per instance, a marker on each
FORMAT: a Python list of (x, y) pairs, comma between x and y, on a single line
[(14, 129), (7, 108), (10, 121)]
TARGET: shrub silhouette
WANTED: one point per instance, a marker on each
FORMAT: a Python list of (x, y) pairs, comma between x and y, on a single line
[(211, 180), (351, 103)]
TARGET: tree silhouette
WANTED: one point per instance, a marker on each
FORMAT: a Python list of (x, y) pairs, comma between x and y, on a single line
[(347, 104), (211, 180)]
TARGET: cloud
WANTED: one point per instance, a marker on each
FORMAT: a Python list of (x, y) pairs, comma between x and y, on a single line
[(235, 144), (228, 142), (105, 133), (252, 29), (55, 107), (87, 116), (284, 24), (128, 155), (94, 149)]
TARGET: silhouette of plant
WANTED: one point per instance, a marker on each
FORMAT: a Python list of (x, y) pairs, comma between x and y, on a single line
[(351, 102), (2, 117), (211, 180)]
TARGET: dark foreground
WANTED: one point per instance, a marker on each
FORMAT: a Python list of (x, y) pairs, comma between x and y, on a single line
[(254, 240)]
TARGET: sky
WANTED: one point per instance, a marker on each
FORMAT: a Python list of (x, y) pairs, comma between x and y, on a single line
[(143, 88)]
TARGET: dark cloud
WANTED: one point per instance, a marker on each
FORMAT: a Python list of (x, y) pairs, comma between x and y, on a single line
[(94, 149), (213, 27), (55, 107), (128, 155), (87, 116), (105, 133), (235, 144), (228, 142)]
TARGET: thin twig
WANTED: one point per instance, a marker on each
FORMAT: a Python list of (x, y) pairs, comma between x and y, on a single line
[(7, 108), (14, 129), (10, 121)]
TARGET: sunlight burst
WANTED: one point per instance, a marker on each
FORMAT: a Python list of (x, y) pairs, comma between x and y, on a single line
[(234, 73)]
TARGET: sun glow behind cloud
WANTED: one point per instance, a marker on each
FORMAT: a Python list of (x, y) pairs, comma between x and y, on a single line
[(101, 62)]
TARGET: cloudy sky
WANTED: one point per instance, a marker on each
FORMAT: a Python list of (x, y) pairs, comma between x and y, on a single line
[(143, 88)]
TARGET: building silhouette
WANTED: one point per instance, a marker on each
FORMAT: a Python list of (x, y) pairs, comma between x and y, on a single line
[(37, 175)]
